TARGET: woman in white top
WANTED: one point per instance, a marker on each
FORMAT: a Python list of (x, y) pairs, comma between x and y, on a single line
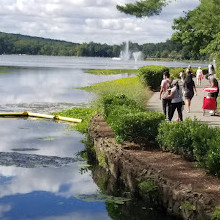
[(176, 100), (199, 76)]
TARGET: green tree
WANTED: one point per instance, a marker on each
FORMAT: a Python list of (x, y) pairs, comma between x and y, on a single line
[(143, 8)]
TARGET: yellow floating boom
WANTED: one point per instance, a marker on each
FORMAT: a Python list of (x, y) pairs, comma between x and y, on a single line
[(55, 117)]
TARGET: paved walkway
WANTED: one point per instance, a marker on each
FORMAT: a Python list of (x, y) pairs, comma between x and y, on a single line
[(196, 106)]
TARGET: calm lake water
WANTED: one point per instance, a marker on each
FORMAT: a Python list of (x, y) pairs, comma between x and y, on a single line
[(42, 175)]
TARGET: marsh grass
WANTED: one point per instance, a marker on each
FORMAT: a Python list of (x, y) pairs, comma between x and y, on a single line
[(131, 87), (112, 71), (83, 113)]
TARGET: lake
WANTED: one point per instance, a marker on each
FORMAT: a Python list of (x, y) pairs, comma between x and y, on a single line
[(43, 174)]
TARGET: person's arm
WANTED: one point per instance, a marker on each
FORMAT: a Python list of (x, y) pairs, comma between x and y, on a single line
[(170, 96), (161, 88), (161, 91)]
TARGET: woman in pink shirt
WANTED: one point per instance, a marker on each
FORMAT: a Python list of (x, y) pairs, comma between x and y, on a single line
[(164, 92)]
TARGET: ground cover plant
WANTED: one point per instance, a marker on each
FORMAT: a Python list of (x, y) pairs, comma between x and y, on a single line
[(82, 113)]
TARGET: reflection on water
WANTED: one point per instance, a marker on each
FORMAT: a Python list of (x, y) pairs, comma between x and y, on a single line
[(23, 88), (44, 192)]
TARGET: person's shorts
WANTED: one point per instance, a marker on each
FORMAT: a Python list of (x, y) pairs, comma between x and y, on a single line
[(189, 95)]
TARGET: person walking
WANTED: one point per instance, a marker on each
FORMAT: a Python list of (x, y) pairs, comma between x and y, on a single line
[(214, 84), (176, 100), (164, 92), (211, 72), (182, 76), (189, 69), (189, 88), (199, 76)]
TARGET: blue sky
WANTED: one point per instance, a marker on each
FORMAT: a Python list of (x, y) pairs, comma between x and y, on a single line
[(88, 20)]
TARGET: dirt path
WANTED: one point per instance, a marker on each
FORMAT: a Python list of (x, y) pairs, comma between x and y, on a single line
[(196, 107)]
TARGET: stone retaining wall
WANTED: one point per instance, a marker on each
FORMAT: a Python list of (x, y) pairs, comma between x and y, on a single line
[(123, 163)]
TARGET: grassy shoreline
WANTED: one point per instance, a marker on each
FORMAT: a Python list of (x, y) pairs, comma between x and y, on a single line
[(131, 87), (112, 71)]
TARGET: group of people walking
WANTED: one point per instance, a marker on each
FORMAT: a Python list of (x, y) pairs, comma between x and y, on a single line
[(172, 95)]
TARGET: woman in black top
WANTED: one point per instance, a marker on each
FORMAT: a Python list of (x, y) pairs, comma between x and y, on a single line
[(189, 88)]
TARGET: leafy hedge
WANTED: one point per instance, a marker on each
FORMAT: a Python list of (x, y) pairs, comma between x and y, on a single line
[(152, 75), (174, 72), (218, 67), (194, 140), (129, 121)]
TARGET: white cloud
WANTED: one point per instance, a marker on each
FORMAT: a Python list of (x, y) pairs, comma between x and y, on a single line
[(86, 20)]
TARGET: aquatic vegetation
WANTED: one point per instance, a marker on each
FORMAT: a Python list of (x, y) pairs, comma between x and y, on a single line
[(83, 113), (112, 71), (147, 187), (187, 206), (103, 198), (47, 139), (33, 160), (216, 214)]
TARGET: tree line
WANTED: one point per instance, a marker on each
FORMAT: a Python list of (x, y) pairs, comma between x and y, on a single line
[(198, 31), (22, 44)]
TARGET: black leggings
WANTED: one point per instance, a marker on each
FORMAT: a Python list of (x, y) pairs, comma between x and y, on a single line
[(175, 106), (166, 103)]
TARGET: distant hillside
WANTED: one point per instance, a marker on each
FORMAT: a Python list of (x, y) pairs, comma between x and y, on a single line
[(22, 44)]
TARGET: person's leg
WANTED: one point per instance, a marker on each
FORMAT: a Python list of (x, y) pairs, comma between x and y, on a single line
[(187, 104), (164, 106), (169, 107), (172, 110), (179, 110)]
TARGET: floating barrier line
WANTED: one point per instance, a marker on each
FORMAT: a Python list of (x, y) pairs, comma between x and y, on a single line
[(38, 115)]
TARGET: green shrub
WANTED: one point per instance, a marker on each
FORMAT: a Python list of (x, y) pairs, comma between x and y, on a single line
[(218, 67), (152, 75), (205, 70), (129, 121), (216, 214), (213, 155), (139, 127), (176, 137), (193, 140), (110, 102), (174, 72), (201, 135)]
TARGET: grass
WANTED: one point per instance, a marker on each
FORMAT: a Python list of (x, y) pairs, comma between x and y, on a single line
[(112, 71), (83, 113), (131, 87), (4, 69)]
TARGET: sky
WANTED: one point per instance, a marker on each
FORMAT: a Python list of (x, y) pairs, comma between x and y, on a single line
[(82, 21)]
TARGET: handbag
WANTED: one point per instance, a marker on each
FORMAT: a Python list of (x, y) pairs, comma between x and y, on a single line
[(183, 103)]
